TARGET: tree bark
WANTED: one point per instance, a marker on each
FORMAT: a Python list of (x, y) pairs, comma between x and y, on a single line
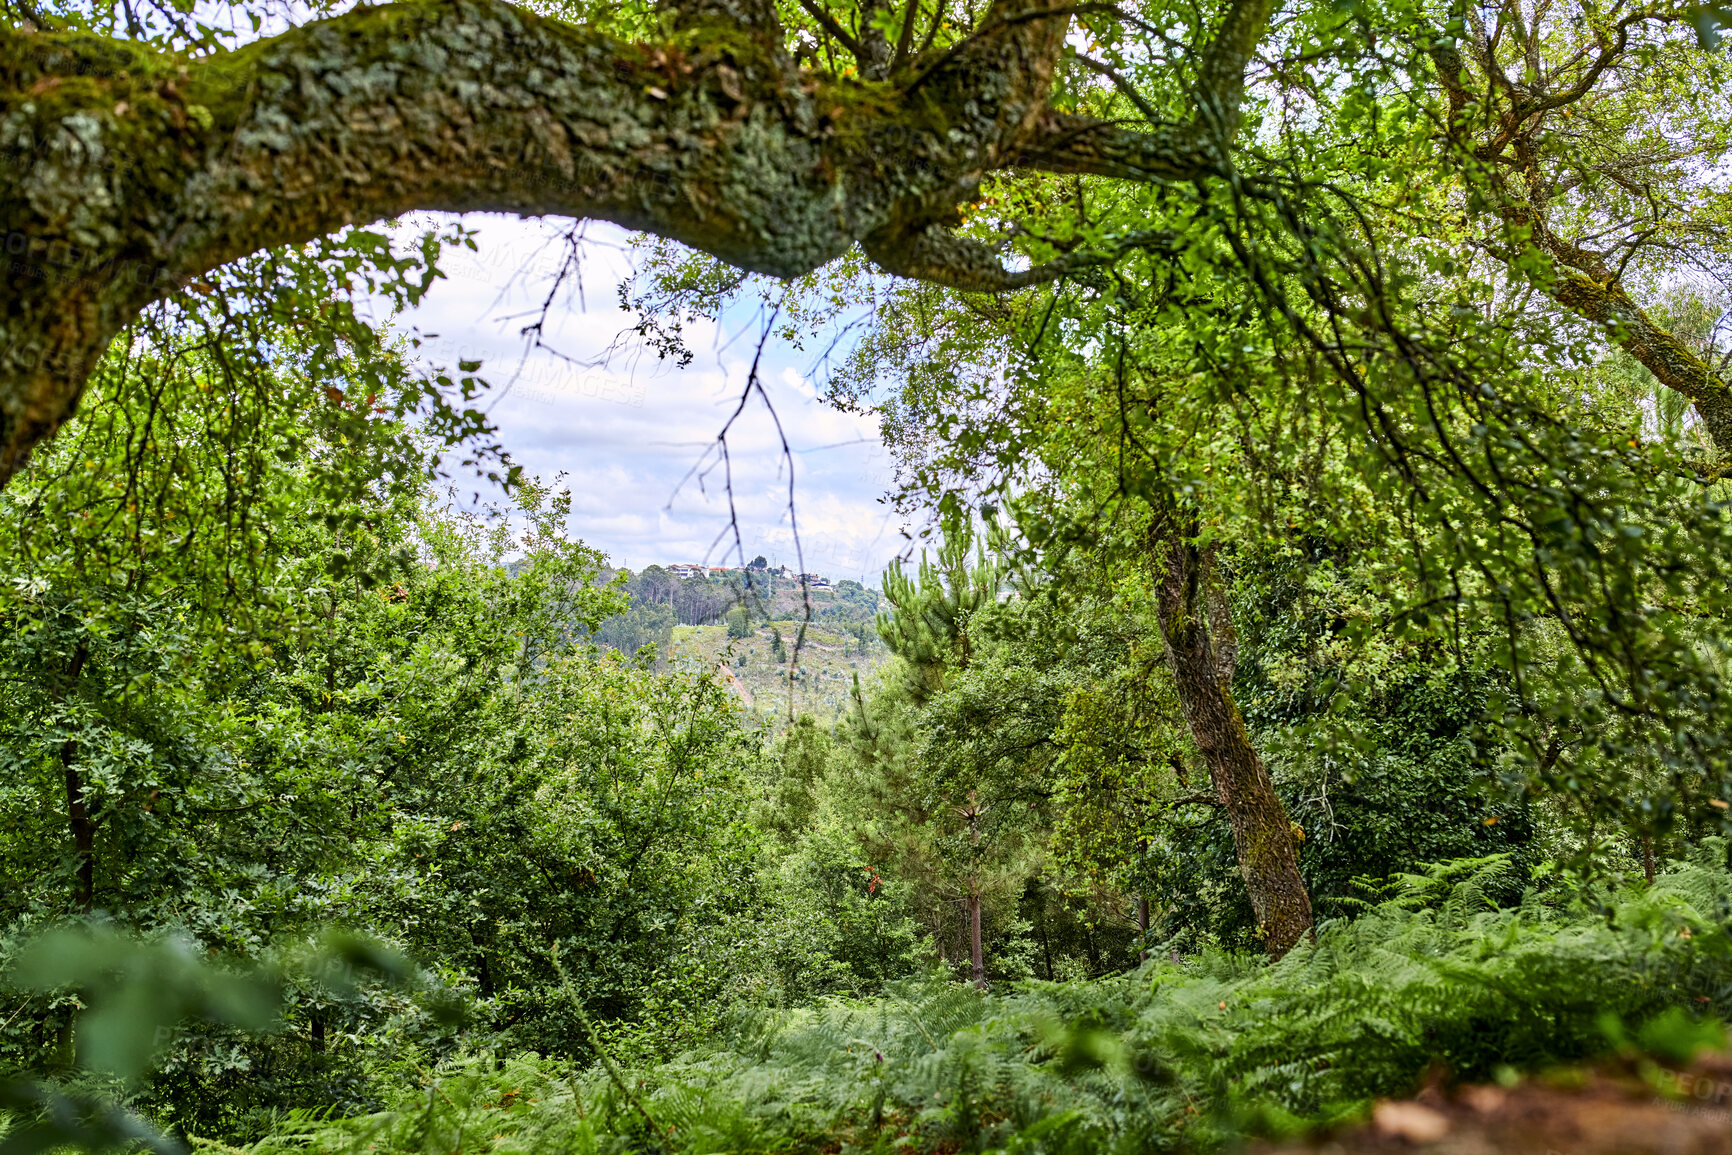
[(976, 958), (126, 173), (1262, 834)]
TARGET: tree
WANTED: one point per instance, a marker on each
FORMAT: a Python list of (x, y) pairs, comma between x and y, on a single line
[(654, 586), (1105, 461), (928, 628), (1583, 134), (139, 165), (639, 626), (927, 624), (1341, 345), (1202, 651)]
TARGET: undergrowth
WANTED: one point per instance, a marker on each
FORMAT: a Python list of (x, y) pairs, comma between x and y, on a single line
[(1429, 979)]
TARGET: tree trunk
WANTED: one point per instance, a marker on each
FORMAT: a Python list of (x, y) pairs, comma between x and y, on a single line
[(83, 831), (1143, 899), (977, 958), (483, 971), (1262, 834), (78, 819)]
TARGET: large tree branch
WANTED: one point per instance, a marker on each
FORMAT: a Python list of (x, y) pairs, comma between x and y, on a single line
[(1585, 284), (1671, 361), (1220, 85), (1067, 143), (1062, 142), (125, 173), (1585, 280)]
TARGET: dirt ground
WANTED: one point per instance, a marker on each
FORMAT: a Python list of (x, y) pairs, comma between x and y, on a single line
[(1622, 1108)]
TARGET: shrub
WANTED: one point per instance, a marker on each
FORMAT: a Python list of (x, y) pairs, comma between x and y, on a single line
[(1177, 1054)]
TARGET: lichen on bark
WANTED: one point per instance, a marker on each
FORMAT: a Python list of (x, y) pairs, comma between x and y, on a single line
[(1202, 661), (128, 172)]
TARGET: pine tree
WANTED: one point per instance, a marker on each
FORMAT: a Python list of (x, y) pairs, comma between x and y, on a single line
[(928, 628)]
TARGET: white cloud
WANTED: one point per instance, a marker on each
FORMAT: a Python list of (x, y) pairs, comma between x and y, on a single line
[(626, 429)]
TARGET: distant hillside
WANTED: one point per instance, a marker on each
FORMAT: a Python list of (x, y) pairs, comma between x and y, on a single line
[(827, 664)]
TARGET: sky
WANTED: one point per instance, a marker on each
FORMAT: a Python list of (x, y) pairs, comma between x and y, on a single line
[(626, 434)]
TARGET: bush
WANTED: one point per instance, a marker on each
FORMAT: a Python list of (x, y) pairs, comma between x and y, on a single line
[(1178, 1055)]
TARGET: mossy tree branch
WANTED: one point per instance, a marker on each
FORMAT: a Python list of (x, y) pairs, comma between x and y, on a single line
[(125, 172), (1535, 142), (1673, 363)]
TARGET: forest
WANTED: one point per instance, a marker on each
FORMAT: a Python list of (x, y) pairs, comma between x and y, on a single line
[(1299, 721)]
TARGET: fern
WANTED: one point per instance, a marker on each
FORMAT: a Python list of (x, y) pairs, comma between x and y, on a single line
[(1175, 1055)]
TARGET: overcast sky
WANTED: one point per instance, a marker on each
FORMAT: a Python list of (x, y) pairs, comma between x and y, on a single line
[(626, 434)]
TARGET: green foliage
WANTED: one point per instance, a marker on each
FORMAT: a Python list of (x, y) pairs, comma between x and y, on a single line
[(135, 996), (641, 625), (231, 724), (142, 990), (260, 679), (927, 626), (854, 603), (610, 834), (1178, 1056), (1324, 382)]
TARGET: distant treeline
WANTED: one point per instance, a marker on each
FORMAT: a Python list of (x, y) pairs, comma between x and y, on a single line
[(661, 600)]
